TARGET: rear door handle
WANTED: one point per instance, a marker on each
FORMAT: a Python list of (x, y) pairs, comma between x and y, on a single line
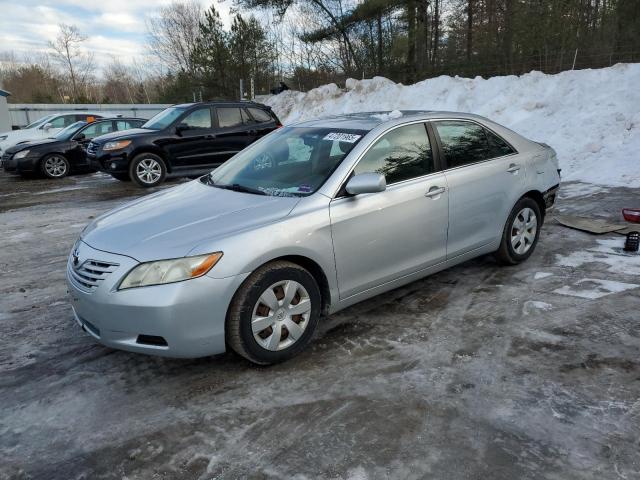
[(435, 191)]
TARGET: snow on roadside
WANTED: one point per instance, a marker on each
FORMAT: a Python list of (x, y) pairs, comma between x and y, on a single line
[(590, 117)]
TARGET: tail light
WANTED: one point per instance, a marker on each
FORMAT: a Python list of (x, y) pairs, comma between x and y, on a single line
[(631, 214)]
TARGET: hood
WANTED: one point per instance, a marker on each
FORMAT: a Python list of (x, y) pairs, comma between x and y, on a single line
[(24, 144), (171, 223), (16, 136), (133, 132)]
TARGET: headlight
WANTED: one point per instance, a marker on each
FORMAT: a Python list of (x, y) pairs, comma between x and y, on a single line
[(116, 145), (21, 154), (169, 271)]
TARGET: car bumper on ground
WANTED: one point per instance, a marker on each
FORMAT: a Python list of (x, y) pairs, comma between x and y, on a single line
[(21, 165), (183, 319)]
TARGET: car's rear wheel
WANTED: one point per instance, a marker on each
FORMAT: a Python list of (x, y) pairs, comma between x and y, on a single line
[(55, 166), (148, 170), (521, 232), (274, 313), (123, 177)]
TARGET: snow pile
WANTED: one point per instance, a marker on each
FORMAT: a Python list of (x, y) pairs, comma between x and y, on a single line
[(590, 117)]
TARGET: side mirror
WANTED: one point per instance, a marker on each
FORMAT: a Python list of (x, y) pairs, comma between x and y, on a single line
[(79, 137), (47, 126), (366, 183), (182, 127)]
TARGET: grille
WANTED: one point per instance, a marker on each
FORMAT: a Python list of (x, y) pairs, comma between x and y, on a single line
[(92, 148), (88, 275)]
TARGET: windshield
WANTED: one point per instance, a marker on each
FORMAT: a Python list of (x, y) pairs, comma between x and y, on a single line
[(39, 122), (164, 118), (290, 162), (67, 133)]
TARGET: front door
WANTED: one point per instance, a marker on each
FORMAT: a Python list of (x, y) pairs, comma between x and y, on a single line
[(485, 179), (380, 237), (191, 147)]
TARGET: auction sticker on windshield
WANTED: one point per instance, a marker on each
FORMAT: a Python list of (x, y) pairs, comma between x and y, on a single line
[(342, 137)]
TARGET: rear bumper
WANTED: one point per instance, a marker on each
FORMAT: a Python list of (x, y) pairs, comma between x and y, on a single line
[(183, 319)]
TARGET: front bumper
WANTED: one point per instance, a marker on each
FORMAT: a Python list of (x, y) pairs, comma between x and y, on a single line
[(21, 165), (115, 162), (189, 317)]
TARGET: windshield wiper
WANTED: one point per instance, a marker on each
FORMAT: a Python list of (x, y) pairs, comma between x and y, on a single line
[(236, 187)]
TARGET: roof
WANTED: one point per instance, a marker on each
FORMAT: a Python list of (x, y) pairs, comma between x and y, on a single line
[(234, 103), (370, 120), (4, 93)]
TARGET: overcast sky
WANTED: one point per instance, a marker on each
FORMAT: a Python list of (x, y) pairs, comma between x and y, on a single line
[(114, 27)]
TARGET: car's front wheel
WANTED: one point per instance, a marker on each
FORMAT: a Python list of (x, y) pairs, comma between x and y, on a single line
[(521, 232), (274, 314), (55, 166), (148, 170)]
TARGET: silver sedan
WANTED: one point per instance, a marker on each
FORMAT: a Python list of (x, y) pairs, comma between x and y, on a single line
[(310, 219)]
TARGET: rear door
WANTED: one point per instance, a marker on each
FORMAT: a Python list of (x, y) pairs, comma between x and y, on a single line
[(235, 131), (485, 178), (263, 121)]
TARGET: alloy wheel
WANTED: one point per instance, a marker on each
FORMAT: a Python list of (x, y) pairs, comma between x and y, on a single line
[(281, 315), (55, 166), (148, 171), (523, 230)]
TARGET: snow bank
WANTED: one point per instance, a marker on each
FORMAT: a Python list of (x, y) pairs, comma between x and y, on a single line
[(591, 117)]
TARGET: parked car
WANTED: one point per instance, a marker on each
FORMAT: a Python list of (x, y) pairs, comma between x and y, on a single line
[(66, 152), (45, 127), (183, 140), (309, 220)]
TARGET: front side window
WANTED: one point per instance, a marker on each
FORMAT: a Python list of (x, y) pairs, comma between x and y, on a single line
[(96, 129), (62, 121), (399, 155), (292, 161), (200, 118), (463, 142), (229, 117)]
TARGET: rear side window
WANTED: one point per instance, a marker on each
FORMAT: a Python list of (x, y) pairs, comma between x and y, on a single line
[(463, 142), (260, 115), (498, 146), (401, 154), (229, 117), (200, 118)]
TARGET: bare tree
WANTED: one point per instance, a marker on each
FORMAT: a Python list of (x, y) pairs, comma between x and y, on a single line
[(68, 53), (173, 32)]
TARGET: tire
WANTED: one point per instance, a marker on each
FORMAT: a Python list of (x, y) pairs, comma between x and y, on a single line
[(55, 166), (264, 346), (521, 232), (123, 177), (148, 170)]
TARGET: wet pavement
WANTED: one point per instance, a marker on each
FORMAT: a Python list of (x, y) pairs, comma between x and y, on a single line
[(477, 372)]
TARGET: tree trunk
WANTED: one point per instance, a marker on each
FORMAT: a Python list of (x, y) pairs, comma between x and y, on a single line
[(469, 29), (436, 33), (411, 39), (380, 45)]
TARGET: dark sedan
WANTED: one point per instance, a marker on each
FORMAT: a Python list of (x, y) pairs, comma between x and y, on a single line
[(64, 153)]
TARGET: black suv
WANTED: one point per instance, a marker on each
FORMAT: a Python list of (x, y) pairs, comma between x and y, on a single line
[(183, 140)]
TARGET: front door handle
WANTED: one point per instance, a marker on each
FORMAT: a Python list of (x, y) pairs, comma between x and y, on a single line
[(435, 192), (513, 168), (210, 136)]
